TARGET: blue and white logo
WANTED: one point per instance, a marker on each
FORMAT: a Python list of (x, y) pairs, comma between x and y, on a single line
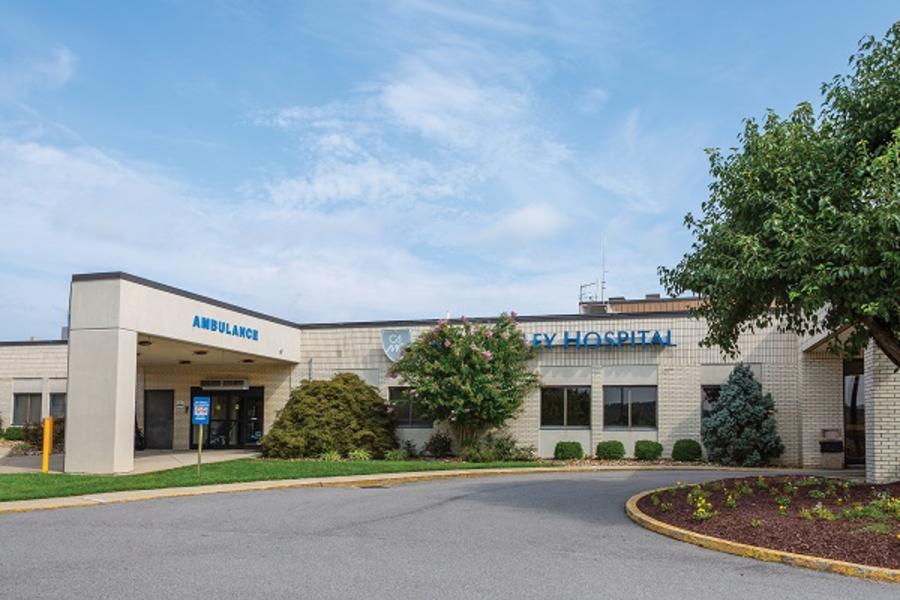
[(394, 342)]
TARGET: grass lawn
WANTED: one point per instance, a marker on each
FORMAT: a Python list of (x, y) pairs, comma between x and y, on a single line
[(27, 486)]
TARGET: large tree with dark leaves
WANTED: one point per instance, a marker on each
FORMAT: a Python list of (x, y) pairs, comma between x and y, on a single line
[(802, 224)]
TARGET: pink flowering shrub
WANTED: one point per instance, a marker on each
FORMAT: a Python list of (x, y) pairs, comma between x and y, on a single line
[(473, 376)]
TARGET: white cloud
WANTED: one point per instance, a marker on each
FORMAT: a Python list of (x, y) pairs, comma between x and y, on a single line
[(19, 78)]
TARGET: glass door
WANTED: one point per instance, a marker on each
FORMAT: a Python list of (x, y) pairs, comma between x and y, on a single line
[(854, 413), (235, 418)]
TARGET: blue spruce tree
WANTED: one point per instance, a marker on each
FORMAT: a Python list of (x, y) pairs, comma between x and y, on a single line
[(740, 428)]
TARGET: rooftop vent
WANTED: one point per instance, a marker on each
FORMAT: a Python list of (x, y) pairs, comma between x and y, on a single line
[(651, 297)]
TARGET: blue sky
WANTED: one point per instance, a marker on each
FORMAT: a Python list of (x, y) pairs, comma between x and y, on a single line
[(328, 161)]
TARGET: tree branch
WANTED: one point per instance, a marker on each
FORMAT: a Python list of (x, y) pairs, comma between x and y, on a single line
[(884, 338)]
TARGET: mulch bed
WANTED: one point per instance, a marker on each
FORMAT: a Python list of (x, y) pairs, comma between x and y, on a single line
[(841, 539)]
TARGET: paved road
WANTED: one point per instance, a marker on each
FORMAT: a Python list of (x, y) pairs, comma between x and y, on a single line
[(541, 536)]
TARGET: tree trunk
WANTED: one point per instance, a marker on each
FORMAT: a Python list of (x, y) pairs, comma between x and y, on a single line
[(884, 338)]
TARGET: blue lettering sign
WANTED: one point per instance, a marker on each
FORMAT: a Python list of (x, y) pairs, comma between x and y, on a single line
[(200, 410), (225, 328), (641, 338)]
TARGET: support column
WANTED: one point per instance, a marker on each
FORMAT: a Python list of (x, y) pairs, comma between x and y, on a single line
[(882, 417), (100, 413)]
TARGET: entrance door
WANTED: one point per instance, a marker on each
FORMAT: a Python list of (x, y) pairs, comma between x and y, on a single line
[(159, 412), (854, 413), (235, 418)]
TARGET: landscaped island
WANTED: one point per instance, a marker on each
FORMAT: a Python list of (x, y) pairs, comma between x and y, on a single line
[(818, 516)]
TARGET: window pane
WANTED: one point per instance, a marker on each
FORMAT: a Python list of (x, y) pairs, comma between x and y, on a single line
[(399, 398), (643, 406), (58, 406), (615, 410), (708, 395), (552, 407), (416, 419), (20, 409), (578, 407)]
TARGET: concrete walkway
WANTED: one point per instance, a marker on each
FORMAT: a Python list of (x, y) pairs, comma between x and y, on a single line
[(144, 461)]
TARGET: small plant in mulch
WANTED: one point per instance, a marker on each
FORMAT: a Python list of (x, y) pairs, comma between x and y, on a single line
[(818, 516)]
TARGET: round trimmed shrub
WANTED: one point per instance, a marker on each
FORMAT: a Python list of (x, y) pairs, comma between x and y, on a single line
[(647, 450), (336, 415), (611, 450), (568, 451), (687, 451)]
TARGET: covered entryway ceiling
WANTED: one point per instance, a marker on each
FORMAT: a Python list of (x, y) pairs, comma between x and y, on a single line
[(159, 351)]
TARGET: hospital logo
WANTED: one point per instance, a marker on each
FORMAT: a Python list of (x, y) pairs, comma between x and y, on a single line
[(394, 342)]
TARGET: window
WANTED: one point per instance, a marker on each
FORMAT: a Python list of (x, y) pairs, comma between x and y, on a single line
[(26, 409), (566, 407), (629, 407), (405, 411), (58, 405), (708, 396)]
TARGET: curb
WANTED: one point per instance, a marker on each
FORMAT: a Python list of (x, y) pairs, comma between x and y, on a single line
[(759, 553), (379, 479)]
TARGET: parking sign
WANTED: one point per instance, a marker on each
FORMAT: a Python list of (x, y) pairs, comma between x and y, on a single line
[(200, 410)]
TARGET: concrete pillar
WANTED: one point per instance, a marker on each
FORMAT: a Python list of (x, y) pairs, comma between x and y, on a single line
[(100, 419), (882, 384)]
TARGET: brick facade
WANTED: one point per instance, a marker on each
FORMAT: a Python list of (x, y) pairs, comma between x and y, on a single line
[(882, 384)]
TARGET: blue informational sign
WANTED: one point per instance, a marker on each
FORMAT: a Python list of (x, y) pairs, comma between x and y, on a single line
[(200, 410)]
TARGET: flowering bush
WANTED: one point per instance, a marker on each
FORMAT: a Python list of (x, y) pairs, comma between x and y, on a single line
[(474, 377)]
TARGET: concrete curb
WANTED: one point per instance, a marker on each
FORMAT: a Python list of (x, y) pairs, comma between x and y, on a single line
[(380, 479), (767, 554)]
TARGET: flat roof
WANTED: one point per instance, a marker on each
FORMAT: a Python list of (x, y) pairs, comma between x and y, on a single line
[(35, 343), (110, 275)]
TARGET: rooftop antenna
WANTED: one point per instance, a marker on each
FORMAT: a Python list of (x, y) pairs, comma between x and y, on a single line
[(602, 283)]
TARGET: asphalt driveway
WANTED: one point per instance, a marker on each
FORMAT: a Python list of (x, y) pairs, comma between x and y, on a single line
[(539, 536)]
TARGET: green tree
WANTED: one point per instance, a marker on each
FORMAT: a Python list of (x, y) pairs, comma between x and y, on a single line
[(474, 377), (340, 415), (802, 224), (740, 428)]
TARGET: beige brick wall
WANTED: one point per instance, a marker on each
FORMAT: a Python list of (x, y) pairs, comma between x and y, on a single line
[(327, 351), (882, 383), (43, 362), (821, 402)]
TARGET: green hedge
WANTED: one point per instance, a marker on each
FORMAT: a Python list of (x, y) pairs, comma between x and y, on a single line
[(687, 451), (647, 450), (13, 433), (568, 451), (611, 450)]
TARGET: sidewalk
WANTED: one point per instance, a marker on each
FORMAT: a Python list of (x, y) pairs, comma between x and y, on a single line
[(144, 461)]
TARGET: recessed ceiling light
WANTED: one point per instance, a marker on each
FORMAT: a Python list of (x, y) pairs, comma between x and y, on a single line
[(184, 362), (144, 343), (248, 360), (200, 352)]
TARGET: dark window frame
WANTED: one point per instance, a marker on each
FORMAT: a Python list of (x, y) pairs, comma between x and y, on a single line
[(625, 391), (29, 418), (57, 396), (565, 402), (405, 414)]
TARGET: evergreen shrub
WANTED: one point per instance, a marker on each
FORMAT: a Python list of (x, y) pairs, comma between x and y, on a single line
[(611, 450), (687, 451), (568, 451), (336, 415), (647, 450), (740, 429)]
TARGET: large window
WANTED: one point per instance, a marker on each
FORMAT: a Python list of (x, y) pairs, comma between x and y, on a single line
[(708, 396), (405, 412), (629, 407), (58, 405), (26, 409), (566, 407)]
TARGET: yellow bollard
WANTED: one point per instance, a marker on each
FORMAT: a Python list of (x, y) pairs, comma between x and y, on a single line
[(48, 445)]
